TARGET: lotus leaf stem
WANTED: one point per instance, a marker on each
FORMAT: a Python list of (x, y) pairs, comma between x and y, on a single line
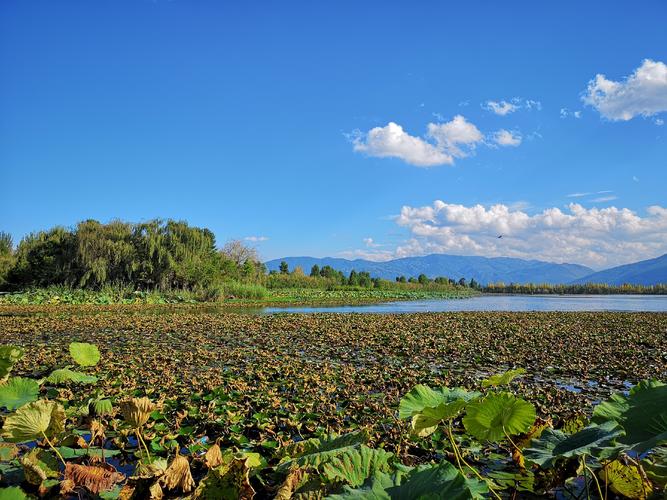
[(54, 449), (141, 440), (459, 456)]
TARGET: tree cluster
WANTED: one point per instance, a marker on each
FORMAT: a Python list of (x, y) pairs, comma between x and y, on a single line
[(153, 255)]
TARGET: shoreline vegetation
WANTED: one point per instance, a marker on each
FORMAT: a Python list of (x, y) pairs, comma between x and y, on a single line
[(170, 262)]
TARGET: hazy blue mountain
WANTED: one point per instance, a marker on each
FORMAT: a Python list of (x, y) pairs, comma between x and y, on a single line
[(645, 272), (482, 269)]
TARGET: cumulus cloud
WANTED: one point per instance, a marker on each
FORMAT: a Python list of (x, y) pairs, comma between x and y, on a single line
[(449, 140), (370, 243), (391, 141), (598, 237), (506, 138), (454, 136), (256, 239), (644, 93)]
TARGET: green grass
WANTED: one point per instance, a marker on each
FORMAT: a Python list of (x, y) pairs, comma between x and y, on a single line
[(231, 293)]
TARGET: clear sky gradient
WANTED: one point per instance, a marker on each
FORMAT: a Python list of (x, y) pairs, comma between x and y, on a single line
[(270, 121)]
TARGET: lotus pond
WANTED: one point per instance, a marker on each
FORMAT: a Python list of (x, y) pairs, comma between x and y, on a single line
[(138, 402)]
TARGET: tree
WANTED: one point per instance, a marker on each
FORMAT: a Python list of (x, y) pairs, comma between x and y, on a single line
[(6, 255), (364, 279), (284, 267), (315, 271), (353, 280), (462, 282), (401, 279), (237, 252), (423, 279)]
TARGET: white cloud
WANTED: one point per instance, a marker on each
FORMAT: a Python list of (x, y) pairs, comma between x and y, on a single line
[(564, 113), (603, 199), (370, 243), (451, 136), (598, 237), (256, 239), (391, 141), (506, 138), (374, 255), (581, 195), (644, 93), (450, 140), (504, 108), (659, 122), (501, 108)]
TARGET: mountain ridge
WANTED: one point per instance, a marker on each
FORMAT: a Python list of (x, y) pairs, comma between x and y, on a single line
[(482, 269), (644, 272)]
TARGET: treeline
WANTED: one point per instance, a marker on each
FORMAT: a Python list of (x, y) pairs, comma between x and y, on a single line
[(154, 255), (583, 289), (329, 278), (167, 256)]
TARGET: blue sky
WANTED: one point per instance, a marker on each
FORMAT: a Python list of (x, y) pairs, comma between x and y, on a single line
[(271, 121)]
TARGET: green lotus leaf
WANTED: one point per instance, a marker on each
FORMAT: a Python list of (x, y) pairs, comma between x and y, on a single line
[(553, 445), (502, 378), (625, 480), (18, 391), (84, 354), (356, 465), (425, 423), (102, 407), (655, 466), (62, 375), (442, 481), (642, 413), (68, 452), (12, 493), (326, 450), (9, 355), (34, 421), (422, 396), (498, 414)]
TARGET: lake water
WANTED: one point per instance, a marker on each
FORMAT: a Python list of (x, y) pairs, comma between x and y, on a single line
[(654, 303)]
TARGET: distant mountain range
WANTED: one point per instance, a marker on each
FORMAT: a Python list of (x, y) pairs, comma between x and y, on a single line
[(482, 269), (490, 269), (645, 272)]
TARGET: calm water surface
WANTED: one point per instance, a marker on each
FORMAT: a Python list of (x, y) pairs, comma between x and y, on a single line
[(654, 303)]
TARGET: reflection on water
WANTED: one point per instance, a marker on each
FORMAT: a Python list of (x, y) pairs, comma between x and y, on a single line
[(651, 303)]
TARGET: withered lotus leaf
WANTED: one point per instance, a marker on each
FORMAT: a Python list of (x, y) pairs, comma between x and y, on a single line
[(213, 456), (137, 411), (230, 480), (95, 478), (67, 487), (178, 475), (32, 471), (156, 492)]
